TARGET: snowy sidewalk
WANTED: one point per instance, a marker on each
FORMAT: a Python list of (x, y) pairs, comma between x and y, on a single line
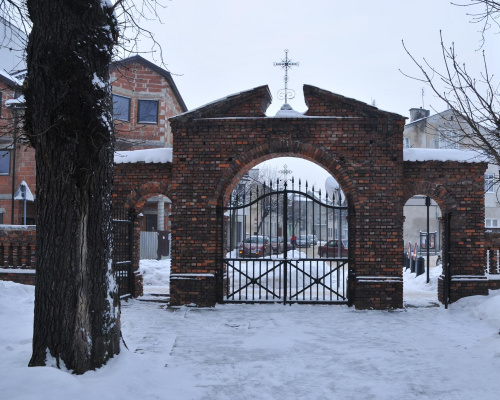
[(318, 352)]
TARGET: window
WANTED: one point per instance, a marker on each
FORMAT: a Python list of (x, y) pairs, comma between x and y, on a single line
[(448, 140), (148, 112), (489, 180), (4, 162), (0, 104), (491, 223), (406, 143), (121, 108)]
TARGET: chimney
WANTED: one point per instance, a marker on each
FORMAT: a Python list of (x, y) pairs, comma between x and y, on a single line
[(418, 113)]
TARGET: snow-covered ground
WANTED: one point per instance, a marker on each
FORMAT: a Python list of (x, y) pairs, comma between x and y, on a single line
[(271, 351)]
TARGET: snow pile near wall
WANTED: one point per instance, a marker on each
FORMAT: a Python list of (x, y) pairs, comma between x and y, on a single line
[(482, 307), (465, 156), (155, 275), (416, 291), (163, 155)]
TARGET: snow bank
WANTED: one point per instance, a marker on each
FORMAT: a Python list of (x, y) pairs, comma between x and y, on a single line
[(15, 297), (465, 156), (156, 276), (155, 272), (163, 155), (482, 307)]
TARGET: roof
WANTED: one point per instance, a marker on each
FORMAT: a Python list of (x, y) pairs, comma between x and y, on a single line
[(430, 117), (220, 107), (155, 68), (252, 104), (9, 79)]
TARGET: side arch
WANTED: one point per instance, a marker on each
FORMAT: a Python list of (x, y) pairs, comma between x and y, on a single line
[(445, 200), (138, 197)]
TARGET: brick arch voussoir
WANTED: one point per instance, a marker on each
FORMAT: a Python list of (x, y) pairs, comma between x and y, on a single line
[(283, 148), (445, 200), (138, 197)]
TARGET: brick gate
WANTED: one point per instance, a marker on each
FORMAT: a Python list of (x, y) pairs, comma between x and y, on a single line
[(360, 145)]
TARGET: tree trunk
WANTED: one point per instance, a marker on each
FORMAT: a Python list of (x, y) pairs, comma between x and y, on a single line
[(69, 123)]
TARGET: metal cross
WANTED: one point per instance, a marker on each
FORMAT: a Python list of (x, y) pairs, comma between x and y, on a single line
[(286, 64), (285, 171)]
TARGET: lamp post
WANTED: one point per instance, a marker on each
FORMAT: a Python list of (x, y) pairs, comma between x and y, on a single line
[(427, 241)]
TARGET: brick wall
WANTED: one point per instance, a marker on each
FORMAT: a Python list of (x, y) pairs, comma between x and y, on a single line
[(458, 188)]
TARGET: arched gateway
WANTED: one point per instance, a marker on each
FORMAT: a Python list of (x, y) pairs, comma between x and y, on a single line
[(362, 147)]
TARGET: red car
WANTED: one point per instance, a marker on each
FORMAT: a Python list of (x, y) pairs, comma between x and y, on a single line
[(331, 249), (255, 246)]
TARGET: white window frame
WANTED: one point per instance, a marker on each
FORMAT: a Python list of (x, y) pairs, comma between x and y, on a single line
[(448, 140), (489, 183), (406, 143), (491, 223)]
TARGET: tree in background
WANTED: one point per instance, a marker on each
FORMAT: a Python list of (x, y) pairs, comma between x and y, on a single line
[(69, 123), (474, 101)]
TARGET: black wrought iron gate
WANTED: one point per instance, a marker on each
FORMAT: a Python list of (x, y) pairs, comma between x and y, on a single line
[(123, 229), (285, 245)]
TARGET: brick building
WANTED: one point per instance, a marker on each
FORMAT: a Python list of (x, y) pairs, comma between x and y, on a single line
[(17, 162), (144, 95)]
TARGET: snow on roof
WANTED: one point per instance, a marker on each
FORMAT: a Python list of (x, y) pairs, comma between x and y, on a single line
[(163, 155), (16, 102), (24, 192), (10, 78), (465, 156)]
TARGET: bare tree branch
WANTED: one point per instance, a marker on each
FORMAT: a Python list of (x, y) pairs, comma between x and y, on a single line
[(474, 101)]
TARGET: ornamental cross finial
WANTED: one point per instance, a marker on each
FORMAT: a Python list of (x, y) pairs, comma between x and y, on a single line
[(285, 171), (286, 64)]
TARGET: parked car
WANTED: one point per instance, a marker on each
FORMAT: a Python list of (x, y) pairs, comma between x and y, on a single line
[(255, 246), (277, 244), (313, 239), (331, 249), (303, 241)]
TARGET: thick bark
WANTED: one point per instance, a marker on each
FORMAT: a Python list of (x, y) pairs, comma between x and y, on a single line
[(68, 122)]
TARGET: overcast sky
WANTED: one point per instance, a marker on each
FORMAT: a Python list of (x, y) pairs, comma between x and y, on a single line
[(353, 48)]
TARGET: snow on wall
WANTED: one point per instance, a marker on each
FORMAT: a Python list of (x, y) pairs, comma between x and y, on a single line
[(465, 156), (163, 155)]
